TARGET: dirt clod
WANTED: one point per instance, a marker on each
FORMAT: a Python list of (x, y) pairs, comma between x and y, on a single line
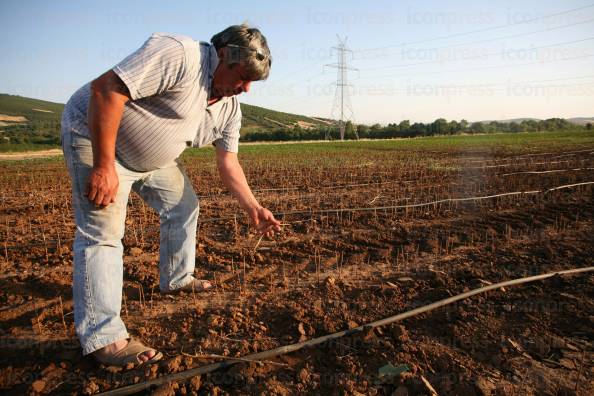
[(38, 386)]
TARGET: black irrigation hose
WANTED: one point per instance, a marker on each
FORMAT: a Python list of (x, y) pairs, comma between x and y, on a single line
[(187, 374)]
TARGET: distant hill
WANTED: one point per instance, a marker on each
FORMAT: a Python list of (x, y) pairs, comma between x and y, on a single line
[(30, 109), (20, 114), (581, 120), (574, 120), (257, 118)]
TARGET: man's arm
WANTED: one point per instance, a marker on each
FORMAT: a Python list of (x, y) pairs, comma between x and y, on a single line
[(106, 106), (234, 179)]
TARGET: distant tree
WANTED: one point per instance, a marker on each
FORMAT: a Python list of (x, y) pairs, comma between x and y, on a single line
[(493, 126), (362, 131), (515, 127), (453, 127), (349, 130), (589, 126), (418, 129), (463, 125), (529, 125), (478, 127), (439, 127)]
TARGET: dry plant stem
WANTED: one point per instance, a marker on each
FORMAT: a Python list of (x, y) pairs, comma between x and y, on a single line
[(257, 244), (216, 284), (194, 295), (579, 374), (125, 305), (38, 318), (62, 315), (152, 293), (244, 277)]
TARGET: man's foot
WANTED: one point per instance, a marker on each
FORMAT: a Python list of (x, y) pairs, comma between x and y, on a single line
[(125, 351), (197, 286)]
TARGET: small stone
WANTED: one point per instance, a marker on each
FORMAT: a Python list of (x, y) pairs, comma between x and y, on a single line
[(113, 369), (135, 251), (400, 333), (91, 388), (195, 383), (38, 386), (484, 386), (405, 279), (367, 334), (172, 365), (49, 369), (352, 324), (567, 363), (303, 375), (301, 329), (164, 390)]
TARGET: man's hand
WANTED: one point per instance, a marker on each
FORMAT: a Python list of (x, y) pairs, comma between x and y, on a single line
[(106, 105), (264, 221), (234, 178), (102, 185)]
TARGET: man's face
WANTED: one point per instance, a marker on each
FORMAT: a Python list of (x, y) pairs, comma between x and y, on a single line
[(229, 80)]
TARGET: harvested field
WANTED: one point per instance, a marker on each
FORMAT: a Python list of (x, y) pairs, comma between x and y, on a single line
[(370, 229)]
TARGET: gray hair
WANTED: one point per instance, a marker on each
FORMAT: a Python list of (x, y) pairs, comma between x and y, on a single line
[(247, 46)]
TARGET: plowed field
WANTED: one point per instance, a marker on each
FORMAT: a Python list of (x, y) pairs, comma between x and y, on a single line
[(370, 229)]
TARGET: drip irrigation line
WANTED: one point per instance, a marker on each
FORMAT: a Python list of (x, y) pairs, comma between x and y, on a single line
[(569, 185), (544, 172), (375, 208), (50, 243), (187, 374)]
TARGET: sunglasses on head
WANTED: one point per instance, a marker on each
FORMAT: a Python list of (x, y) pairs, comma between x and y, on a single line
[(260, 56)]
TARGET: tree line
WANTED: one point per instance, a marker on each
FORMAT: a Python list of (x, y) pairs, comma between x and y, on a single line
[(405, 129)]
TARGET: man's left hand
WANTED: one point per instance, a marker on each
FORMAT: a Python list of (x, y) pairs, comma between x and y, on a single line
[(264, 221)]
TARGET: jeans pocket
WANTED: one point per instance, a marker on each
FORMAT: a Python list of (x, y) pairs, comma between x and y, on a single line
[(82, 149)]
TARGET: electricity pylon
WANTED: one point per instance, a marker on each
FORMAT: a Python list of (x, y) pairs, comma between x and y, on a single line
[(342, 99)]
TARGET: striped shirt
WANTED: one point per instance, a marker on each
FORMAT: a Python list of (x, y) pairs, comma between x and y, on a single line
[(169, 81)]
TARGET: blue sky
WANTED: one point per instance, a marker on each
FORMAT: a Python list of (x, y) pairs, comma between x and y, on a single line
[(416, 60)]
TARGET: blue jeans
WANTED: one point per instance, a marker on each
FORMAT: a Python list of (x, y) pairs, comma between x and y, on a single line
[(98, 264)]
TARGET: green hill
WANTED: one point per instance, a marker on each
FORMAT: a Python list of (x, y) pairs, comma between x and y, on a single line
[(260, 119), (27, 123), (32, 109)]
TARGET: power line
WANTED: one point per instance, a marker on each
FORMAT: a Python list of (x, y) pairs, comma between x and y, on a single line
[(478, 30), (459, 88), (481, 55), (504, 37), (483, 68)]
